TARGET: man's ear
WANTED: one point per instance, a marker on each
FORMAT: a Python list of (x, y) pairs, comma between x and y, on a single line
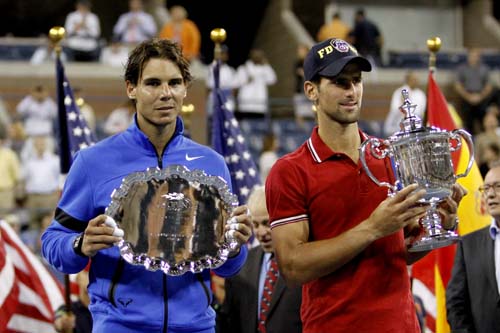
[(311, 91), (131, 90)]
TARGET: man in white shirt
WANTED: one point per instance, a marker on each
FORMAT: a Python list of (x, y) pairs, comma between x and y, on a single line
[(38, 111), (136, 25), (472, 295), (41, 172), (253, 78), (416, 95), (83, 31)]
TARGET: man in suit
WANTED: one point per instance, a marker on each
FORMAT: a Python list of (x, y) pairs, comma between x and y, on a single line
[(244, 302), (472, 295)]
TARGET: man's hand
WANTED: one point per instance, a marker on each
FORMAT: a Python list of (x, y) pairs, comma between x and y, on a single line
[(98, 236), (397, 212), (65, 323), (239, 226), (449, 207)]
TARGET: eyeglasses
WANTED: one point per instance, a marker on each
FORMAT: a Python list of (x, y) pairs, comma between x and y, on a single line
[(484, 190)]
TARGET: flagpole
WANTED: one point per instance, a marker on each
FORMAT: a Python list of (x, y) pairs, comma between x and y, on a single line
[(433, 45), (218, 36), (56, 35)]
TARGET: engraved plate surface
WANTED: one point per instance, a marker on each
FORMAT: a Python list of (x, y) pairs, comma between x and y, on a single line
[(173, 219)]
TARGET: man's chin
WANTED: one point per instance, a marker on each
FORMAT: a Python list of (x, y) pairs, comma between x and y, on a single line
[(267, 248)]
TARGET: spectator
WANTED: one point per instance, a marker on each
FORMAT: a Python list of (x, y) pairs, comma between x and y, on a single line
[(253, 78), (10, 174), (41, 172), (134, 26), (83, 31), (120, 118), (128, 298), (227, 81), (302, 107), (79, 319), (491, 156), (473, 290), (45, 54), (38, 111), (490, 135), (367, 38), (183, 31), (4, 115), (336, 28), (253, 303), (269, 155), (417, 97), (86, 109), (475, 90), (114, 55)]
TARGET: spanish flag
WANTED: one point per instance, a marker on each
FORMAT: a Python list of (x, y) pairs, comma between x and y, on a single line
[(432, 273)]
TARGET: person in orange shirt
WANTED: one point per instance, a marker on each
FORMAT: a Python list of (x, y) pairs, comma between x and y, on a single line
[(336, 28), (183, 31)]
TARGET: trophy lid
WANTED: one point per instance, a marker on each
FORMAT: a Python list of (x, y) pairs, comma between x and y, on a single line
[(411, 122)]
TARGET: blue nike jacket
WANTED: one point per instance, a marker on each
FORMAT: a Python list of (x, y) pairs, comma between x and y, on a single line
[(126, 298)]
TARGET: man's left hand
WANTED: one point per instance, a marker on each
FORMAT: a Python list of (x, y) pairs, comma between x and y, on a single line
[(449, 207)]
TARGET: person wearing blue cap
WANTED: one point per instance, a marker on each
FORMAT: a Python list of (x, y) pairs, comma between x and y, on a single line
[(336, 232)]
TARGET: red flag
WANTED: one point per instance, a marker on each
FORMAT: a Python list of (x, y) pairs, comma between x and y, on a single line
[(29, 293), (432, 273)]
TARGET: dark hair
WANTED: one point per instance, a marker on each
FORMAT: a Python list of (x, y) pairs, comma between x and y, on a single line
[(268, 142), (155, 49), (494, 147)]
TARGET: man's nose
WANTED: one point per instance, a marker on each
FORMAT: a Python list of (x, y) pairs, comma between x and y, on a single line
[(166, 91)]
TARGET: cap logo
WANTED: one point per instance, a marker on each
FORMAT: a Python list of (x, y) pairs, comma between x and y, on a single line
[(324, 51), (339, 45)]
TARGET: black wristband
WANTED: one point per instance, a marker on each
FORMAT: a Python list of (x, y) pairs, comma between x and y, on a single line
[(77, 245)]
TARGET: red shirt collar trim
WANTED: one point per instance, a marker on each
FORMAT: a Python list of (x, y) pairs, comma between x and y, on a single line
[(319, 150)]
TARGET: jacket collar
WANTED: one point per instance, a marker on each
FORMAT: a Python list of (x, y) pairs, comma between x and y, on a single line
[(142, 140)]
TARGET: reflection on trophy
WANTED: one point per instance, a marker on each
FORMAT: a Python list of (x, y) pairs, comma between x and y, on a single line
[(173, 219), (421, 155)]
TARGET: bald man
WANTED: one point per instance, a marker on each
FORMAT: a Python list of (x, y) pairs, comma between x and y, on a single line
[(472, 295), (244, 301)]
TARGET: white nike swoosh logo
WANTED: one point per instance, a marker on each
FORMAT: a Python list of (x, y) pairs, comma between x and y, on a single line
[(192, 158)]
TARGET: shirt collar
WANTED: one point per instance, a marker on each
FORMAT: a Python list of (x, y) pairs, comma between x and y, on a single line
[(319, 150), (494, 229)]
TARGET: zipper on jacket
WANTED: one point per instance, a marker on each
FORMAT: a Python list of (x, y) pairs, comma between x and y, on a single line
[(165, 302), (199, 277), (114, 281)]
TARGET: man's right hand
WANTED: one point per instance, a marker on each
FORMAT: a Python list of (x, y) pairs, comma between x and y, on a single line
[(98, 236), (398, 211)]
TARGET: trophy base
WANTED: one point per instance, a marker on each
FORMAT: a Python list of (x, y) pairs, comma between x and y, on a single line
[(428, 243)]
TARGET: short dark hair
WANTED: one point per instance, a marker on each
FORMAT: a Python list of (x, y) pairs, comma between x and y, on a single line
[(155, 49)]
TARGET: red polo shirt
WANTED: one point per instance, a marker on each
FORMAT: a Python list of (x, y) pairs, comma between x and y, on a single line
[(371, 293)]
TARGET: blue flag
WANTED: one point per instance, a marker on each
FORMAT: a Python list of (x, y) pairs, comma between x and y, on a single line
[(74, 133), (228, 141)]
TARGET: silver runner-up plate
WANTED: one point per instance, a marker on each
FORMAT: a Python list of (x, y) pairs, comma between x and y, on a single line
[(173, 219)]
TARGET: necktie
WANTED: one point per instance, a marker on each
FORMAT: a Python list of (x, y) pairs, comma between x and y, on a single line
[(270, 282)]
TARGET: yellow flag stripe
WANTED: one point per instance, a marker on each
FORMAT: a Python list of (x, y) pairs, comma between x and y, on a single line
[(469, 215)]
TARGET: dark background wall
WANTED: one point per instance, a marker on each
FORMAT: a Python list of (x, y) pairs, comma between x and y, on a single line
[(241, 19)]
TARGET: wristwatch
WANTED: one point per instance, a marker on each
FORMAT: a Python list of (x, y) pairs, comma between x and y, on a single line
[(77, 245)]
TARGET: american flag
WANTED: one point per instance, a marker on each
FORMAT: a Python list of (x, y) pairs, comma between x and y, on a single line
[(228, 141), (74, 133), (29, 293)]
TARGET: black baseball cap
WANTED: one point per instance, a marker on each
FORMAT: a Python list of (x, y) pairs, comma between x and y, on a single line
[(329, 57)]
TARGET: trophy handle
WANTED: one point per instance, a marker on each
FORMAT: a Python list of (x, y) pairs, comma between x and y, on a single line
[(380, 154), (455, 135)]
